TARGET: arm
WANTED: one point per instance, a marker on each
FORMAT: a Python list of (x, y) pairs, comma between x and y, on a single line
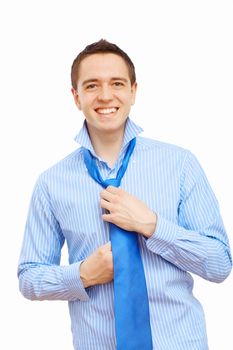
[(197, 242), (40, 275)]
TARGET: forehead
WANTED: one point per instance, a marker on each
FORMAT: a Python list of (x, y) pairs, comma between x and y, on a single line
[(103, 66)]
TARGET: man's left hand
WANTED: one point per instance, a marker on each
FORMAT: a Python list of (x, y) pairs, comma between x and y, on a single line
[(127, 211)]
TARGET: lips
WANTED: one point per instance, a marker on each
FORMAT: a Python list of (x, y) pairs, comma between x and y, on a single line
[(105, 111)]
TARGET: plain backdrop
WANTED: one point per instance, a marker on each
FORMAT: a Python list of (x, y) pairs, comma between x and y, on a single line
[(183, 55)]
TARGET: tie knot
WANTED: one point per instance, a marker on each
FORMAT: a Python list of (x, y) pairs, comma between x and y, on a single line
[(111, 182), (94, 171)]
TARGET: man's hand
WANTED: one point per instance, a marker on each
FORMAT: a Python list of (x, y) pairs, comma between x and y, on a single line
[(98, 267), (127, 211)]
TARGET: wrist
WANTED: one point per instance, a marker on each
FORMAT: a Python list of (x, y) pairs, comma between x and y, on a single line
[(149, 227), (84, 275)]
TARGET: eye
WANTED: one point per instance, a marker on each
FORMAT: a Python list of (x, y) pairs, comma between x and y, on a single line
[(118, 84), (91, 86)]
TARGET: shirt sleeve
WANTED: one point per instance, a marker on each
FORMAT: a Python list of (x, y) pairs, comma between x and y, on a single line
[(197, 243), (40, 275)]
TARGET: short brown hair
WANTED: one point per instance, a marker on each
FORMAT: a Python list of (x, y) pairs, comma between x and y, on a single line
[(101, 46)]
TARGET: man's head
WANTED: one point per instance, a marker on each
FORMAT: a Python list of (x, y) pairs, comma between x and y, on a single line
[(102, 46), (104, 87)]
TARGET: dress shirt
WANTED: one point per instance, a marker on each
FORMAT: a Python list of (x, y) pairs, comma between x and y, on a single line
[(189, 239)]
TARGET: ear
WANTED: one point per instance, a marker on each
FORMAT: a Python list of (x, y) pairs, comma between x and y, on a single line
[(133, 91), (76, 98)]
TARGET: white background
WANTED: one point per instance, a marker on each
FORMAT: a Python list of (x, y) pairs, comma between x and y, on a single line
[(183, 55)]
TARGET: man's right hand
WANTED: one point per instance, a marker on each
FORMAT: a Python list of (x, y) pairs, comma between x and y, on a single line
[(98, 267)]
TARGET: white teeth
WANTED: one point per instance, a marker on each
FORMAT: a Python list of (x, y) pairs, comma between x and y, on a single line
[(106, 110)]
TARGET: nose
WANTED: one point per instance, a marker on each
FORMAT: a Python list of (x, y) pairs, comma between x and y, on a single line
[(105, 93)]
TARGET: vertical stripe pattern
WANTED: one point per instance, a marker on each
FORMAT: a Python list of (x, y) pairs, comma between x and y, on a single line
[(189, 239)]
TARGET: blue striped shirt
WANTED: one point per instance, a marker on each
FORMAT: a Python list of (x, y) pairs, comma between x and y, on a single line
[(189, 239)]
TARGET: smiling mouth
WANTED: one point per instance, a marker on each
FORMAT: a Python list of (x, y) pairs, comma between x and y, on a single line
[(105, 111)]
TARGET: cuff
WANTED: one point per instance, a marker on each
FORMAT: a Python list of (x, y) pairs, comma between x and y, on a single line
[(165, 233), (71, 278)]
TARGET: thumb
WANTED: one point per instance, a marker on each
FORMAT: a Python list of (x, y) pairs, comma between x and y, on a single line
[(107, 247)]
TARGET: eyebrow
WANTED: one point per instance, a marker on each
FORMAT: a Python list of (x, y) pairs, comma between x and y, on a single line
[(94, 80)]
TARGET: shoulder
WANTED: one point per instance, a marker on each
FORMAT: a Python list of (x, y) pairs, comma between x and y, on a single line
[(172, 159), (147, 144), (168, 154), (62, 168)]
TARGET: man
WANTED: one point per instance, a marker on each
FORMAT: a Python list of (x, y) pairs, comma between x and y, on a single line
[(164, 198)]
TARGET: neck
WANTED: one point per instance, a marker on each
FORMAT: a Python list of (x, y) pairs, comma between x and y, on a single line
[(107, 146)]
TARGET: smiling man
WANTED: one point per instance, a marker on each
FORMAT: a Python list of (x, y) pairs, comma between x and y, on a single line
[(104, 91), (139, 218)]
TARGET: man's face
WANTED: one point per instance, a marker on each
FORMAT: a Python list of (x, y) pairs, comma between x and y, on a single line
[(104, 92)]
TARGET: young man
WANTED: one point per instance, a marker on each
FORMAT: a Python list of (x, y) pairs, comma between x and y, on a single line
[(164, 198)]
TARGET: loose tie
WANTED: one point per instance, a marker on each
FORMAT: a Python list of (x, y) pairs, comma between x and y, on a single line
[(131, 306)]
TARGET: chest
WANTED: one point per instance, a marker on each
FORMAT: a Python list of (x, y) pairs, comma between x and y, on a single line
[(77, 206)]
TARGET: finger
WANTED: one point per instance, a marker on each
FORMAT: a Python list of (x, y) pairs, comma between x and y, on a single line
[(108, 218), (112, 189), (106, 205), (107, 246), (108, 196)]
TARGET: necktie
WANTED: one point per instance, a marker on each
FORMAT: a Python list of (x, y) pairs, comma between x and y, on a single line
[(131, 307)]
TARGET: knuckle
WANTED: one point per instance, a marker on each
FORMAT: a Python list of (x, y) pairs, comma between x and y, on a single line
[(116, 199), (111, 206), (106, 259), (108, 262), (120, 192), (101, 251), (113, 209)]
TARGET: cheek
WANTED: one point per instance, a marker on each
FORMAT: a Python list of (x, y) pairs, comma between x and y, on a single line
[(125, 99), (83, 103), (129, 101)]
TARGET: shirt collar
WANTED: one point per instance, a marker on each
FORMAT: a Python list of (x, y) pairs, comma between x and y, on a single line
[(131, 131)]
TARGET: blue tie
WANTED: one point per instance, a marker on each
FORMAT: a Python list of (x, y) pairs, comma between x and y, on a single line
[(131, 307)]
